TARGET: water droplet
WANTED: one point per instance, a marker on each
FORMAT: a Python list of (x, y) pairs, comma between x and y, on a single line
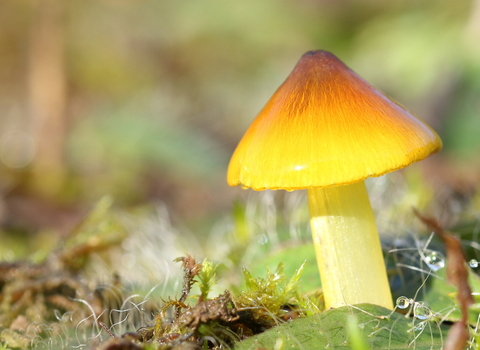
[(17, 149), (403, 302), (262, 239), (278, 344), (473, 263), (435, 260), (422, 311), (420, 326)]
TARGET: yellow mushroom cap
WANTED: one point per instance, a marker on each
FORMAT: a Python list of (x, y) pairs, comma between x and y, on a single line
[(326, 126)]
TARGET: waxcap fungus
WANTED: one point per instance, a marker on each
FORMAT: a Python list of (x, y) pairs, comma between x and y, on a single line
[(326, 126)]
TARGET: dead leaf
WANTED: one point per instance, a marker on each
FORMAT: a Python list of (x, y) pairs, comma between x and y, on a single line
[(457, 274)]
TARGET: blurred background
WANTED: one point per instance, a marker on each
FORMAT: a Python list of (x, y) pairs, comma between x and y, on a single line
[(145, 100)]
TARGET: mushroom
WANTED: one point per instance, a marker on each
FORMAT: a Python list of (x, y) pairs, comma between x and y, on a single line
[(327, 130)]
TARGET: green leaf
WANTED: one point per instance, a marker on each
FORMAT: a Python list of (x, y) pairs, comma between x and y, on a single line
[(379, 329)]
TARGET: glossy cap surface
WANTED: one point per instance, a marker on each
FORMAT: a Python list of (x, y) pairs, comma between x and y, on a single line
[(326, 126)]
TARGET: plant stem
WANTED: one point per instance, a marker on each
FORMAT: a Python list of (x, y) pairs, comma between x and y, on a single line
[(347, 246)]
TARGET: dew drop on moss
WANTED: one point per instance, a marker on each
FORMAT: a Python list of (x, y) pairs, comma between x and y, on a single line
[(262, 239), (435, 260), (403, 302), (422, 311)]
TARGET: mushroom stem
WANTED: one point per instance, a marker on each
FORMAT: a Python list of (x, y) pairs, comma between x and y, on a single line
[(347, 245)]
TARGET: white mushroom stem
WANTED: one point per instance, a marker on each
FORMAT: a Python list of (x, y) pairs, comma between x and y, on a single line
[(347, 245)]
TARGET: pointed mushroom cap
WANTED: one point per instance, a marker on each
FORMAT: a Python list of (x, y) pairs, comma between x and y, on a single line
[(326, 126)]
